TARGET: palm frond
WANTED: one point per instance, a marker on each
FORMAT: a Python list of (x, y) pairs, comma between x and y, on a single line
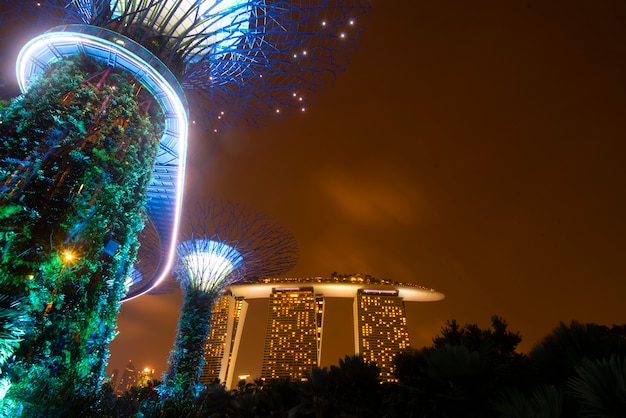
[(600, 386), (11, 330)]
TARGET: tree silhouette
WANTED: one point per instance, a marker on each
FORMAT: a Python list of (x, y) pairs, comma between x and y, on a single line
[(450, 380), (352, 388), (497, 340), (359, 383), (555, 357), (462, 372)]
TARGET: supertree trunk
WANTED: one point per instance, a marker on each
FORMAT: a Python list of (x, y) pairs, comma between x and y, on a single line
[(77, 152), (182, 381)]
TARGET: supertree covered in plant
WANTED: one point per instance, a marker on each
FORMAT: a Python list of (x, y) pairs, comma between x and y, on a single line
[(226, 242), (72, 205), (96, 144), (236, 62)]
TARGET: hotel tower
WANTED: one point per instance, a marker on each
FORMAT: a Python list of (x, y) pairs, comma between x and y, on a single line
[(296, 314)]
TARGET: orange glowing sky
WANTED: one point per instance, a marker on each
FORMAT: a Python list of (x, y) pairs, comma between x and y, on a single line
[(476, 147)]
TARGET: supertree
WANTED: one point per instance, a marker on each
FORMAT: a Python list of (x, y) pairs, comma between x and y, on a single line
[(225, 243), (101, 129)]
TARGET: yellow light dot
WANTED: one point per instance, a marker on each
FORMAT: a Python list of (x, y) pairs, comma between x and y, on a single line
[(68, 256)]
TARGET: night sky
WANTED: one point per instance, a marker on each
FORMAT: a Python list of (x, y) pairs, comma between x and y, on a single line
[(475, 147)]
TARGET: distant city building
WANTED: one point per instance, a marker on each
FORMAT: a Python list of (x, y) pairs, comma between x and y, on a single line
[(145, 377), (297, 320), (128, 378)]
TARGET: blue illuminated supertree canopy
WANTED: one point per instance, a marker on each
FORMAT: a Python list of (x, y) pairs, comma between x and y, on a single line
[(224, 242), (240, 62)]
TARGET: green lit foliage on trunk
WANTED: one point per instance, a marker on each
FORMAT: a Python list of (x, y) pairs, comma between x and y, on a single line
[(187, 358), (76, 155)]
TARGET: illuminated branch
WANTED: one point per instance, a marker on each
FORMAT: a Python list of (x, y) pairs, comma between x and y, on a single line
[(205, 264), (265, 247)]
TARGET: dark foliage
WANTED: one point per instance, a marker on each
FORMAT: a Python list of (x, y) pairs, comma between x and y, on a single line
[(461, 375), (556, 357)]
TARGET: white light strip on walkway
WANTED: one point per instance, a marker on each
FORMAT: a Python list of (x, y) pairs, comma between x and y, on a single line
[(52, 46)]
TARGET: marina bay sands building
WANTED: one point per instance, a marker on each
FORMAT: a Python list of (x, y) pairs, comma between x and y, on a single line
[(297, 313)]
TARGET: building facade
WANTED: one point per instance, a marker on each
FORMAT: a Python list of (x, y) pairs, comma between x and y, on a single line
[(380, 330), (128, 378), (296, 323), (219, 347), (292, 340)]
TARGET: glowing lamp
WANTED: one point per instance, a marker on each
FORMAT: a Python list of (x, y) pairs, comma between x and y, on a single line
[(68, 256)]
